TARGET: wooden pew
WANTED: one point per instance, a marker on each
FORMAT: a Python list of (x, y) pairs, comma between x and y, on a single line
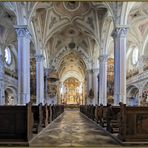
[(54, 111), (49, 114), (113, 121), (53, 114), (37, 117), (99, 114), (16, 124), (83, 109), (103, 118), (133, 124), (45, 115), (92, 112)]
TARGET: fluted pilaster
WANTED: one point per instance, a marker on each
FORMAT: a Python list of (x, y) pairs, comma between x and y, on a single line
[(40, 79), (103, 79), (95, 85), (119, 36), (23, 37)]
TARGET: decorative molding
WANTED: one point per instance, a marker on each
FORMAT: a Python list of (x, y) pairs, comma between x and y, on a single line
[(95, 70), (120, 31), (137, 78), (22, 31), (39, 58), (10, 81), (71, 6), (55, 62), (103, 58), (89, 71)]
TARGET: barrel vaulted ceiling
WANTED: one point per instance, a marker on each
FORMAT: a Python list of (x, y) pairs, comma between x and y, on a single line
[(70, 30), (72, 33)]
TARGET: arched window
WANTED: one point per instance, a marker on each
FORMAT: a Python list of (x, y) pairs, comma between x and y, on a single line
[(8, 55), (135, 56)]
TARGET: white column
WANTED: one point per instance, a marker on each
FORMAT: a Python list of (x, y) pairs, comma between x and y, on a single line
[(95, 85), (23, 37), (46, 84), (2, 93), (98, 102), (119, 36), (103, 79), (89, 84), (39, 79)]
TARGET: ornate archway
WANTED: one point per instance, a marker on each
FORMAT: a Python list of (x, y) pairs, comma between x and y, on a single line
[(71, 91)]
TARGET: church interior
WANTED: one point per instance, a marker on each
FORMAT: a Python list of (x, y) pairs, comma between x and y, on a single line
[(74, 73)]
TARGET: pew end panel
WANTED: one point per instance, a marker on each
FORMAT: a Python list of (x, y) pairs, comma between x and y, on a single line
[(16, 124), (134, 124)]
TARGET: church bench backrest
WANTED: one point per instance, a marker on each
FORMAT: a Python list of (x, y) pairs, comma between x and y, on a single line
[(16, 122), (38, 117), (112, 118), (45, 115), (134, 121)]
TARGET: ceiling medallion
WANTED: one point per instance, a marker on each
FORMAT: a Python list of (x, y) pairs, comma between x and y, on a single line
[(72, 5)]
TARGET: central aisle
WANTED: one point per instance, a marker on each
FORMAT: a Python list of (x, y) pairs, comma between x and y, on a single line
[(72, 129)]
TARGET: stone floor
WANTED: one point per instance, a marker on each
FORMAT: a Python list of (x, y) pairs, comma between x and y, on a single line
[(73, 129)]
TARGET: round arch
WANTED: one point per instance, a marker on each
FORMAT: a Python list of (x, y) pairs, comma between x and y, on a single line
[(132, 95), (10, 95)]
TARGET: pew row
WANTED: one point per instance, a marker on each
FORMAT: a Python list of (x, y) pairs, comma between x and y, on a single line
[(43, 115), (113, 119), (20, 123), (129, 122)]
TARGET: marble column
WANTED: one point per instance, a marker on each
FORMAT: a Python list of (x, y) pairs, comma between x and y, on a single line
[(103, 79), (23, 37), (95, 85), (46, 85), (119, 36), (98, 102), (89, 84), (2, 93), (40, 79)]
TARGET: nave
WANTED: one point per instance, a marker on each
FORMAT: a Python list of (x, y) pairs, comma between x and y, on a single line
[(73, 129), (92, 55)]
